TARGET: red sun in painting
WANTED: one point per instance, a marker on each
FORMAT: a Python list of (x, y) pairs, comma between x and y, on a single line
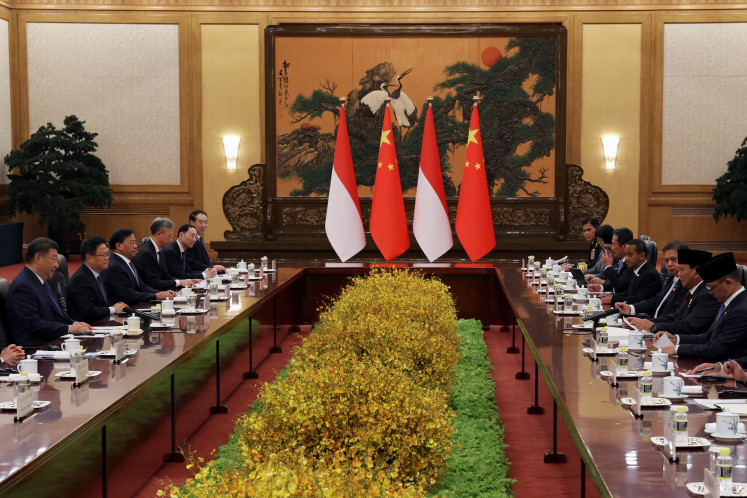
[(490, 56)]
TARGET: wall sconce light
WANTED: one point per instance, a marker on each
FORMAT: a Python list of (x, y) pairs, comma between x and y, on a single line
[(231, 148), (610, 144)]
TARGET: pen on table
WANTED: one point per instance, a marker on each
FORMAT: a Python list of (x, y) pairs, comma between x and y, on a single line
[(706, 369)]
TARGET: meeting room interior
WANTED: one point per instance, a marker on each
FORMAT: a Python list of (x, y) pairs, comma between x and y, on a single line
[(373, 248)]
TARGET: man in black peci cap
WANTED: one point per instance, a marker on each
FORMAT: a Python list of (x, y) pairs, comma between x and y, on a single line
[(725, 338), (698, 308)]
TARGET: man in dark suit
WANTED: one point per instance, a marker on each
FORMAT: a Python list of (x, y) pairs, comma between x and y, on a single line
[(34, 315), (698, 307), (121, 280), (671, 296), (725, 338), (150, 262), (644, 281), (197, 255), (86, 297), (178, 262), (175, 254), (616, 273)]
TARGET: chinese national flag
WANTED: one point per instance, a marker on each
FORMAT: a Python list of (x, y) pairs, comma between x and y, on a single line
[(388, 223), (474, 220)]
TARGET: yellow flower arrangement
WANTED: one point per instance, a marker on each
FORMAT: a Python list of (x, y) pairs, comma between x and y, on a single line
[(363, 407)]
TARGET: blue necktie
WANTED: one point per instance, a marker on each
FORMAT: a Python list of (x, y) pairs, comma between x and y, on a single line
[(720, 311), (134, 272), (620, 266), (101, 287), (51, 295)]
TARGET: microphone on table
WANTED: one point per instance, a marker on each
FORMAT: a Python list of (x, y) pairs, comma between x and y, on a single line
[(141, 314), (595, 318)]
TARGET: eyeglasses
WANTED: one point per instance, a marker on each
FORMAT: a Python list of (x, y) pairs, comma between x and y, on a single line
[(203, 223), (106, 255), (719, 283)]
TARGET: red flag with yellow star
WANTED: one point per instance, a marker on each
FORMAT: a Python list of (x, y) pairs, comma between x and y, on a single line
[(388, 223), (474, 219)]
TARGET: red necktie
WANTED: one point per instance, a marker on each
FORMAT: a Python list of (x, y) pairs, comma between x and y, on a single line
[(688, 296)]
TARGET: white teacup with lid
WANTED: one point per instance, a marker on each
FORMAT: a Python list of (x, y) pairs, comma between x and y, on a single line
[(659, 361)]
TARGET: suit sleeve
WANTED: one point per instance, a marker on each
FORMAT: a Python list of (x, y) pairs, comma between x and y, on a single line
[(174, 266), (24, 314), (700, 318), (728, 343), (82, 302), (193, 260), (149, 272), (118, 288)]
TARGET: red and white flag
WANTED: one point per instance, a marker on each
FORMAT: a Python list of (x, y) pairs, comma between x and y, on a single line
[(388, 223), (431, 220), (344, 224), (474, 219)]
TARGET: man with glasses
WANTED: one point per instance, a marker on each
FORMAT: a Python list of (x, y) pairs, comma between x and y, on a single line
[(197, 255), (122, 282), (86, 297), (151, 264), (671, 296), (698, 308), (34, 314), (726, 336)]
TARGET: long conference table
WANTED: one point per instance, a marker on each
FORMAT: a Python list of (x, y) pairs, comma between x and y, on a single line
[(108, 436)]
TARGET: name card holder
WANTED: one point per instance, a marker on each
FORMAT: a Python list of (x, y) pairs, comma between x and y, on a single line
[(593, 346), (711, 484), (636, 408), (81, 372), (24, 404), (120, 351), (670, 449)]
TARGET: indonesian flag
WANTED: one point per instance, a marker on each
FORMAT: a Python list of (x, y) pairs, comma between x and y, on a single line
[(474, 220), (344, 225), (431, 221), (388, 223)]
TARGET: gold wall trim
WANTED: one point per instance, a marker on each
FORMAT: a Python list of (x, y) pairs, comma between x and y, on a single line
[(680, 201)]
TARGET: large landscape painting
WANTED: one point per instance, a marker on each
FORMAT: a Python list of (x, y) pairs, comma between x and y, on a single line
[(513, 69)]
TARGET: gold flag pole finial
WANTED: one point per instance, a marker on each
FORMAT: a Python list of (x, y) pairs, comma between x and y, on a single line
[(477, 98), (388, 99), (343, 100), (429, 99)]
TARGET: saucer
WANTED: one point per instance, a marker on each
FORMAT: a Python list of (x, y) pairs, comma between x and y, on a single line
[(110, 354), (134, 333), (728, 437), (630, 374), (11, 405), (198, 311), (68, 374), (568, 313), (609, 351), (675, 397), (33, 377), (698, 488), (692, 442), (653, 402)]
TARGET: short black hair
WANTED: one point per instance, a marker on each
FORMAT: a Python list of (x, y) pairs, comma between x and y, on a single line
[(592, 221), (90, 246), (119, 236), (604, 232), (42, 246), (193, 215), (640, 246), (184, 228), (624, 234), (160, 224), (675, 245)]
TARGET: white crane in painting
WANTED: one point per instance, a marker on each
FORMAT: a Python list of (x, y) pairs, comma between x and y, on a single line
[(401, 103), (376, 98)]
